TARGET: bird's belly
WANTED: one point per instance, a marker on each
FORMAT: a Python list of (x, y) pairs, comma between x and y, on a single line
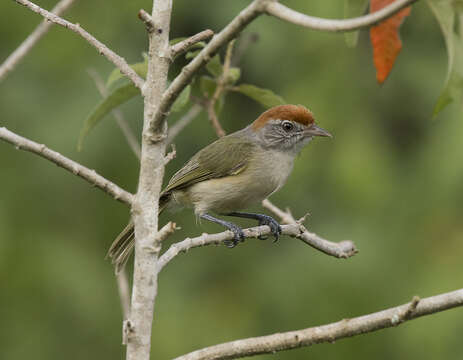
[(225, 195)]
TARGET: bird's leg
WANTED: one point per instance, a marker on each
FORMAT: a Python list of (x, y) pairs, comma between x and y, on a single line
[(237, 231), (274, 226)]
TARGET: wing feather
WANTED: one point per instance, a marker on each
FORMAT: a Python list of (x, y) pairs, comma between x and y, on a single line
[(212, 163)]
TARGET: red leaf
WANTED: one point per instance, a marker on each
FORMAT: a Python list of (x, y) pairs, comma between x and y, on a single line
[(385, 39)]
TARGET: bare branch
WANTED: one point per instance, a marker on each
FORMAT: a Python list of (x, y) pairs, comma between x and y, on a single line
[(16, 56), (328, 333), (21, 143), (341, 250), (146, 203), (184, 45), (294, 230), (170, 155), (147, 20), (214, 120), (256, 8), (221, 82), (282, 12), (167, 230), (285, 216), (117, 60), (175, 129), (120, 120), (184, 78)]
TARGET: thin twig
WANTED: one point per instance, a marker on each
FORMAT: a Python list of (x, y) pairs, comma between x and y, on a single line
[(327, 333), (167, 230), (285, 216), (147, 20), (16, 56), (221, 83), (21, 143), (120, 120), (180, 124), (246, 16), (184, 78), (182, 46), (293, 230), (341, 250), (117, 60), (170, 155), (282, 12)]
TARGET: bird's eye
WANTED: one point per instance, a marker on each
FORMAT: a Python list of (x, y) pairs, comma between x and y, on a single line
[(287, 125)]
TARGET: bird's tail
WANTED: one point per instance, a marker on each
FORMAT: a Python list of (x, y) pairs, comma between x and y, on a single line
[(123, 245)]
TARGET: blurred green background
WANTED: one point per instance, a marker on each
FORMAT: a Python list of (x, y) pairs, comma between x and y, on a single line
[(391, 180)]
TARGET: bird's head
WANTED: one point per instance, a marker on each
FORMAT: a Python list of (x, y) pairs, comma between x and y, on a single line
[(286, 127)]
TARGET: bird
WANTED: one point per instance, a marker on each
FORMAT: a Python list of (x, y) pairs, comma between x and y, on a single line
[(234, 172)]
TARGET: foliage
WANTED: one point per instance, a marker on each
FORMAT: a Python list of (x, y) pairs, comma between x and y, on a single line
[(122, 90), (446, 13), (387, 45), (385, 39), (353, 8)]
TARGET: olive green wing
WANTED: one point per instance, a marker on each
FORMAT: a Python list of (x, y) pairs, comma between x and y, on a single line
[(212, 163)]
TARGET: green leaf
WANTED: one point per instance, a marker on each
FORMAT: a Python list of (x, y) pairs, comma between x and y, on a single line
[(215, 66), (233, 75), (182, 100), (264, 96), (207, 86), (353, 8), (176, 40), (191, 54), (140, 68), (114, 99), (197, 45), (445, 12)]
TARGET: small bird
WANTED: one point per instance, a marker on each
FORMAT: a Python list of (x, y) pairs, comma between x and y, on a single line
[(234, 172)]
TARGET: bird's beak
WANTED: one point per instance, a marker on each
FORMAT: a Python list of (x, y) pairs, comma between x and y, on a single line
[(314, 130)]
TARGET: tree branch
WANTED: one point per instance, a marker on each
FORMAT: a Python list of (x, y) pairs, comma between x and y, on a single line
[(252, 11), (331, 332), (117, 60), (16, 56), (184, 45), (184, 78), (21, 143), (293, 230), (146, 204), (147, 20), (282, 12), (221, 82), (341, 250)]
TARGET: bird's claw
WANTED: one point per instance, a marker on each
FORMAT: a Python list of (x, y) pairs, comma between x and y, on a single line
[(274, 226), (238, 236)]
